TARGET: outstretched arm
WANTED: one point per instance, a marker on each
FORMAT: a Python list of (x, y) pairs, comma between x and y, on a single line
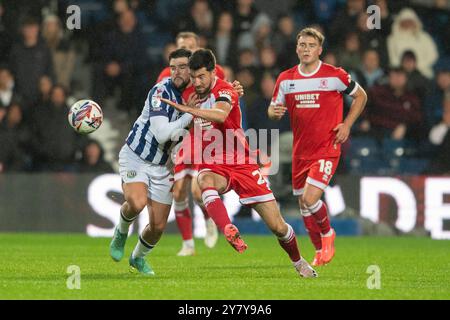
[(218, 113), (163, 130)]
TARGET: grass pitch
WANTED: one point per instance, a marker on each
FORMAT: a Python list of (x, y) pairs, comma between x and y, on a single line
[(34, 266)]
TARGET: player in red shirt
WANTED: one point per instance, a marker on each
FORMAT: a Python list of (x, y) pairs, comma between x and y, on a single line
[(226, 163), (312, 93), (189, 41), (184, 172)]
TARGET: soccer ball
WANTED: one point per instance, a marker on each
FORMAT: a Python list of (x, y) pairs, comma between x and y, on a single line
[(85, 116)]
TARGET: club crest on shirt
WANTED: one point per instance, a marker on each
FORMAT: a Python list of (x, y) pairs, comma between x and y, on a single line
[(131, 174), (156, 102), (323, 84)]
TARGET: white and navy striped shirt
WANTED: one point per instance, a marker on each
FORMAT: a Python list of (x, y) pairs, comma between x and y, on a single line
[(140, 139)]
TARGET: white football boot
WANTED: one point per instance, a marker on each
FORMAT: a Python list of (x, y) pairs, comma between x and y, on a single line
[(304, 269), (212, 235)]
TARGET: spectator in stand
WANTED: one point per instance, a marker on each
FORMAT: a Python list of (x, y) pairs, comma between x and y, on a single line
[(417, 82), (373, 39), (437, 92), (168, 48), (247, 59), (200, 19), (7, 88), (330, 58), (256, 113), (346, 21), (370, 70), (284, 42), (6, 38), (93, 159), (392, 110), (14, 139), (229, 73), (350, 55), (55, 149), (408, 34), (45, 89), (123, 65), (268, 61), (30, 59), (386, 17), (63, 55), (252, 27), (247, 78), (440, 137), (224, 42), (244, 16), (262, 32)]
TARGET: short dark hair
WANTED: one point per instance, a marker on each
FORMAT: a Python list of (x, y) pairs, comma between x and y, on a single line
[(408, 54), (203, 58), (180, 53), (29, 20), (397, 69)]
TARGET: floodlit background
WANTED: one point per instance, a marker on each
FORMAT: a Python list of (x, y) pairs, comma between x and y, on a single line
[(393, 176)]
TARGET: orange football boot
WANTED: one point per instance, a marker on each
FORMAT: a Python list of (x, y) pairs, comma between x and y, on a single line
[(317, 262), (234, 238), (328, 247)]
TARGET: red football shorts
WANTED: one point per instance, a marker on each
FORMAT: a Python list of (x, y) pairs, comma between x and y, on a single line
[(246, 180), (182, 170), (316, 172)]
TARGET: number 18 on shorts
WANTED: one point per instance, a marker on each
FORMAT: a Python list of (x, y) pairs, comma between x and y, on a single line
[(317, 172)]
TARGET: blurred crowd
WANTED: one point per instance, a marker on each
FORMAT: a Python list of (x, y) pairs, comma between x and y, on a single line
[(124, 44)]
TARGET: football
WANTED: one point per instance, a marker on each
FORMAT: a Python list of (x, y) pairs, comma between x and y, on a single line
[(85, 116)]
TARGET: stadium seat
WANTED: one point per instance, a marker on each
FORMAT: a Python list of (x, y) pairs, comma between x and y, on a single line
[(363, 147), (412, 166), (368, 165), (398, 148)]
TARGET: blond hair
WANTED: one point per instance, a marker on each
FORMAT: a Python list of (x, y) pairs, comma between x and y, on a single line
[(186, 34), (311, 32)]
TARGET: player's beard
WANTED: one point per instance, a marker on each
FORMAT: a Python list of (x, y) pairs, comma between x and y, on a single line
[(182, 85)]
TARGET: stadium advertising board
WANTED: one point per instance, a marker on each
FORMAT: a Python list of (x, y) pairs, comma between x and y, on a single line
[(87, 203)]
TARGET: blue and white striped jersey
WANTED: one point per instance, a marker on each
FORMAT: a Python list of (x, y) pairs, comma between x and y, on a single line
[(140, 139)]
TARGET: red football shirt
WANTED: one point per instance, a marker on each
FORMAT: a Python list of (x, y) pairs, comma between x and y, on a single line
[(315, 107), (166, 73), (222, 143)]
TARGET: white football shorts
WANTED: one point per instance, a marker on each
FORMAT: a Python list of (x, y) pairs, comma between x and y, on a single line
[(158, 178)]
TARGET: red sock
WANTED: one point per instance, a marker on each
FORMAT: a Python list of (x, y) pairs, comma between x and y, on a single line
[(215, 208), (320, 213), (313, 231), (184, 219), (289, 244)]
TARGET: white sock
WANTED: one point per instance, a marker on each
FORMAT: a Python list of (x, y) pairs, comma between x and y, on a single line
[(189, 243), (328, 234), (289, 234), (124, 223), (142, 248), (182, 205)]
